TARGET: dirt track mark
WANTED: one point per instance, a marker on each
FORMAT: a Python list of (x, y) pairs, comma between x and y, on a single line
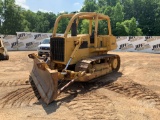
[(127, 87), (92, 107), (18, 98), (13, 83), (135, 90)]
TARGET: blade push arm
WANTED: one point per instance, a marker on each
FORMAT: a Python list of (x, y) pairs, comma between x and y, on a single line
[(78, 43)]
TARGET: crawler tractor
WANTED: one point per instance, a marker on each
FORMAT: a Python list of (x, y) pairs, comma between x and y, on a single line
[(74, 57), (3, 52)]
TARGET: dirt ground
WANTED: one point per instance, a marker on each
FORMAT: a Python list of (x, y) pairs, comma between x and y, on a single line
[(131, 94)]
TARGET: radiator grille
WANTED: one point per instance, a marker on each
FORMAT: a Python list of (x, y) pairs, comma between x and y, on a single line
[(57, 48), (44, 48)]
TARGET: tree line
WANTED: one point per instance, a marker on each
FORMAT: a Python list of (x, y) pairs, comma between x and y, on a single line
[(128, 18)]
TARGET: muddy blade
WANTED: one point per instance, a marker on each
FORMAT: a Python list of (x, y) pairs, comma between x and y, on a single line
[(45, 79)]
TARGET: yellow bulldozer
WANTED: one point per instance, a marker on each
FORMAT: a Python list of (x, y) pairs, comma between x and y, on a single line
[(3, 52), (74, 57)]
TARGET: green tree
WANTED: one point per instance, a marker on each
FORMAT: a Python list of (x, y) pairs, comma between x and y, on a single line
[(118, 16), (156, 24), (148, 17), (132, 27), (102, 3), (146, 13), (13, 18), (128, 27), (85, 27), (1, 14), (62, 24), (104, 8), (89, 6), (112, 2), (129, 10), (102, 27), (26, 25), (121, 29), (51, 17), (41, 22), (30, 20)]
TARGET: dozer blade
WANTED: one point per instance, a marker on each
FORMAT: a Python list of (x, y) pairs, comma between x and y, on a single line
[(45, 79)]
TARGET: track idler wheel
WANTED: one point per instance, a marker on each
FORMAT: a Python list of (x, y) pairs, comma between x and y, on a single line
[(115, 64)]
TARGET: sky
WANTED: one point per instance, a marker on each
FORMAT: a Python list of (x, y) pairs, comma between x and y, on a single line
[(55, 6)]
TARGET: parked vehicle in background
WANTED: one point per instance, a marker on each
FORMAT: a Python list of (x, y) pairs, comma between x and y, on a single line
[(44, 47)]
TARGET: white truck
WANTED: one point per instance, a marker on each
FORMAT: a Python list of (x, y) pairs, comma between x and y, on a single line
[(44, 47)]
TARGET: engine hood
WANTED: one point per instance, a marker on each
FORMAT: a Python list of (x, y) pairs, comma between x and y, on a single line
[(44, 45)]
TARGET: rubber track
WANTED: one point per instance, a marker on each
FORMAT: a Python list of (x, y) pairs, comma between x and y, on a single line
[(90, 106)]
